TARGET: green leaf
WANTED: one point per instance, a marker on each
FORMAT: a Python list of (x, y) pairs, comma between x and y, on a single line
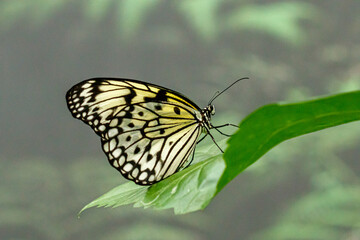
[(275, 123), (193, 188), (188, 191), (122, 195)]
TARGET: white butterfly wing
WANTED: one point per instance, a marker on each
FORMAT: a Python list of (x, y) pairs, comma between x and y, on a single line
[(148, 132)]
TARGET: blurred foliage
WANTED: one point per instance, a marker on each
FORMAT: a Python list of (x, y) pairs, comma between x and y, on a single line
[(330, 209), (202, 16), (281, 20), (156, 231), (38, 11), (331, 213), (132, 16), (40, 197), (44, 196)]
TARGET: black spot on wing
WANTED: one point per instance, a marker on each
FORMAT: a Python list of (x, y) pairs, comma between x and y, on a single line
[(131, 108), (158, 155), (148, 147), (137, 150), (128, 115), (128, 98), (177, 110), (160, 97)]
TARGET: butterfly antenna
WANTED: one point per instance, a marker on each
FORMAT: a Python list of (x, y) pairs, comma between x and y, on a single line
[(214, 96), (218, 94)]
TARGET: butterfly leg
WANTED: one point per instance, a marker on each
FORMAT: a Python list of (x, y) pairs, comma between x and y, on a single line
[(193, 154), (227, 135), (208, 132), (202, 138), (225, 125), (192, 159)]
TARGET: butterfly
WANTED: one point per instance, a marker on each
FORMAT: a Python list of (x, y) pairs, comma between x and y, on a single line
[(148, 132)]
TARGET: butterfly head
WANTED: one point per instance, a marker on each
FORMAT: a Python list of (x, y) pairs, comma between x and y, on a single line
[(209, 111)]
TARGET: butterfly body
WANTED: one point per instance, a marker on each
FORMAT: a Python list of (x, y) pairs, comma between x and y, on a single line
[(148, 132)]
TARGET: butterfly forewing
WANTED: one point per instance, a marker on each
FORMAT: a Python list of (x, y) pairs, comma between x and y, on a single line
[(147, 132)]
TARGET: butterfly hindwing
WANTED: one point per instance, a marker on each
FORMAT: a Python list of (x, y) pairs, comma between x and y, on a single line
[(147, 131)]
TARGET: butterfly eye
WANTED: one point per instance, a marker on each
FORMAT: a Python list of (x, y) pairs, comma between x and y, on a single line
[(212, 109)]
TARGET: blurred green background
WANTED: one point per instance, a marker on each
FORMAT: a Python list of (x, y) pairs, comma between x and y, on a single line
[(52, 165)]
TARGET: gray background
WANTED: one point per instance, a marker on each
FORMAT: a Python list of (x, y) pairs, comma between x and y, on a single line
[(52, 165)]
